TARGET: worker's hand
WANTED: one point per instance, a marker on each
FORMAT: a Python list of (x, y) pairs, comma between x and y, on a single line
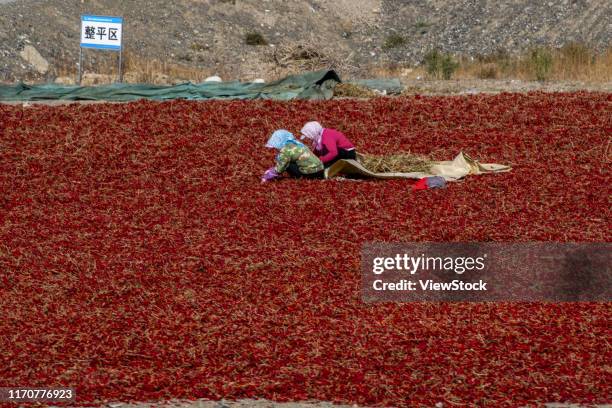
[(269, 175)]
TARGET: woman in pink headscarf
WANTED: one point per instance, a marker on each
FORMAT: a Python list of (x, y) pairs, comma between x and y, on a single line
[(328, 144)]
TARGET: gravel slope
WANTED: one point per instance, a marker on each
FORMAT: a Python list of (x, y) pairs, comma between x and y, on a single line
[(209, 34)]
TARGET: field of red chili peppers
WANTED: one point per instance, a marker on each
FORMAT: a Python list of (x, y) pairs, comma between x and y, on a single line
[(141, 258)]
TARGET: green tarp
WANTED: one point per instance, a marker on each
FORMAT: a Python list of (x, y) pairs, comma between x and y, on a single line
[(312, 85)]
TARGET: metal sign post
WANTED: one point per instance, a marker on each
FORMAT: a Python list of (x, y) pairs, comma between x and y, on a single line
[(120, 66), (103, 33), (80, 63)]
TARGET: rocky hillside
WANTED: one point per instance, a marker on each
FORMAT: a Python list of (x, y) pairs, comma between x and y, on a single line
[(39, 39)]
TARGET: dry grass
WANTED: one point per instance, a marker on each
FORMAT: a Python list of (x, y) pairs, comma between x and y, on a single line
[(154, 71), (345, 90), (255, 38), (137, 69), (404, 162), (583, 66), (396, 70), (573, 62), (393, 41), (309, 56)]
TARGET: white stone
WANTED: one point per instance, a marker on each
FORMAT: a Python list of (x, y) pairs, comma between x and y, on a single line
[(259, 81), (64, 80), (213, 79), (90, 79), (33, 57)]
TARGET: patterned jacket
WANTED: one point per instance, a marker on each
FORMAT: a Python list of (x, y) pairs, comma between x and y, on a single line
[(306, 161)]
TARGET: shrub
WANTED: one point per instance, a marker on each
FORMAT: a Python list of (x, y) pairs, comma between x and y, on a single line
[(422, 27), (440, 65), (198, 47), (255, 38), (432, 63), (540, 61), (449, 66), (394, 41)]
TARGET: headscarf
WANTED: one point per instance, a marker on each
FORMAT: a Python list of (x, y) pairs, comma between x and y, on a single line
[(313, 131), (280, 138)]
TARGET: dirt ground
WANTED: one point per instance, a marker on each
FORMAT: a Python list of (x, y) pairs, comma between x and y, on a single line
[(467, 86)]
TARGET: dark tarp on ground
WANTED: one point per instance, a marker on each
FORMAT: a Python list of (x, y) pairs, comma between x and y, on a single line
[(311, 85)]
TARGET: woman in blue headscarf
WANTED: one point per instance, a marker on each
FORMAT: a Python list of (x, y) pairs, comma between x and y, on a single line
[(293, 156)]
